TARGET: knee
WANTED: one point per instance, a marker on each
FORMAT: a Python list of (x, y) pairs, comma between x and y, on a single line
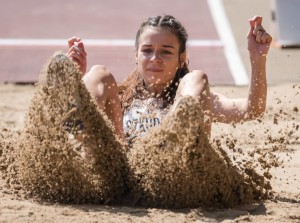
[(99, 69), (193, 83), (195, 79), (199, 78), (100, 83), (99, 74)]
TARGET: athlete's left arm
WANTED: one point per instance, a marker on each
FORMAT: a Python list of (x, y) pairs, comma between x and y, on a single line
[(243, 109)]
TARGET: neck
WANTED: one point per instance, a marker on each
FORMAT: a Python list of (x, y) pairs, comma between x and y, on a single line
[(155, 89)]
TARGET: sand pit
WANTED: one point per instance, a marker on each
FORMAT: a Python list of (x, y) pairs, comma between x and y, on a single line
[(167, 170)]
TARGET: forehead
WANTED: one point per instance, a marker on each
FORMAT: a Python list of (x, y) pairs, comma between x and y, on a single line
[(158, 36)]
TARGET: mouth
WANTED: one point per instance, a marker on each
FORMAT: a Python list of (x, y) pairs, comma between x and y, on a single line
[(154, 69)]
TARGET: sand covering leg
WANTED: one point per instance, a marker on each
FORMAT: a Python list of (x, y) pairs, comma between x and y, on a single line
[(176, 166), (50, 165)]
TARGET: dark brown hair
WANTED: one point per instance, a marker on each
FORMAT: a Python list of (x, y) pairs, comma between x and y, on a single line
[(133, 86)]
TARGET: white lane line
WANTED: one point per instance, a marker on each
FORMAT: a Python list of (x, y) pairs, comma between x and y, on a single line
[(232, 55), (97, 42)]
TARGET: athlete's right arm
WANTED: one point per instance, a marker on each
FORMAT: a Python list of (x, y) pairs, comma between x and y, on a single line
[(77, 53)]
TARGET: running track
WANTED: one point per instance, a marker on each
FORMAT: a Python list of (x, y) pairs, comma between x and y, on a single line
[(32, 30)]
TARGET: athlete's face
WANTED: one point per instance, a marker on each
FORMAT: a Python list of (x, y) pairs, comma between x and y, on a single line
[(157, 56)]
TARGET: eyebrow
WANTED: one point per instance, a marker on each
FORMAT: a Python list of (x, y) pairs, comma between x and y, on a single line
[(169, 46), (166, 46)]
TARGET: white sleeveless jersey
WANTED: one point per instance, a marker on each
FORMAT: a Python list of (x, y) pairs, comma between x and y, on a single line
[(142, 115)]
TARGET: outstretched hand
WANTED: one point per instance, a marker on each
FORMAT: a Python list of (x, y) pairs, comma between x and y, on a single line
[(77, 53), (259, 40)]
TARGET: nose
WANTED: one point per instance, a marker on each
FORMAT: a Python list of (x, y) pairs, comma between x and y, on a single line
[(156, 58)]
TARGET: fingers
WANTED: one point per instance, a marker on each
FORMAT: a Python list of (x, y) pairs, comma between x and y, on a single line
[(258, 31), (72, 40), (73, 55), (257, 20), (78, 47), (255, 25), (76, 50), (250, 33), (263, 37), (259, 34)]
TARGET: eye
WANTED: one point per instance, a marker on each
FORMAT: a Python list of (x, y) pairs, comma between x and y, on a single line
[(166, 52), (147, 51)]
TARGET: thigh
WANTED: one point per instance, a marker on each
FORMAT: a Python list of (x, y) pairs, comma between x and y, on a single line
[(103, 88), (196, 84)]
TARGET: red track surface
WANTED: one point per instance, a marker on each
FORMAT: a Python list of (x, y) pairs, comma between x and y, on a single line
[(105, 19)]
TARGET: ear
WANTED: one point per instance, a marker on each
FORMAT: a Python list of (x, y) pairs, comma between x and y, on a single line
[(182, 59)]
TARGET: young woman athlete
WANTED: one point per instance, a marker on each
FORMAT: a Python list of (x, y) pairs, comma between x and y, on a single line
[(162, 77)]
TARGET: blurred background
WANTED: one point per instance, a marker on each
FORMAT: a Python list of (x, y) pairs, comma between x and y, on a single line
[(31, 31)]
